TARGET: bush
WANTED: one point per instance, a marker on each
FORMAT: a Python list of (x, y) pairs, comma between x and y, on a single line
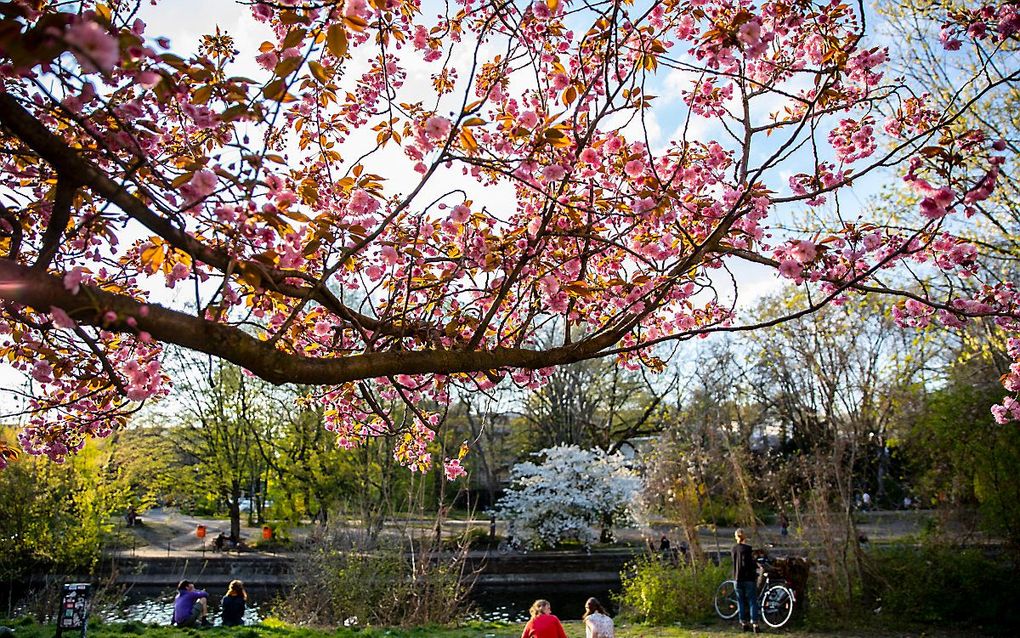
[(472, 537), (940, 584), (659, 593), (345, 580)]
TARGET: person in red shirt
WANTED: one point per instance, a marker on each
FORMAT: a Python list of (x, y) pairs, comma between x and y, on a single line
[(543, 624)]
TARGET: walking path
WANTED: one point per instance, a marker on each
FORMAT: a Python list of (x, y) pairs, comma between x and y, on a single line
[(168, 532)]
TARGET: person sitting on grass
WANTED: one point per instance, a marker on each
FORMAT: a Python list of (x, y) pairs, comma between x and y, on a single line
[(232, 607), (543, 624), (597, 623), (190, 606)]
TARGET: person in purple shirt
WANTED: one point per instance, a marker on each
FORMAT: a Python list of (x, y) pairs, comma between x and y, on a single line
[(190, 606)]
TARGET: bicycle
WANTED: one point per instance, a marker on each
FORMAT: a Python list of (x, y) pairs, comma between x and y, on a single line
[(775, 599)]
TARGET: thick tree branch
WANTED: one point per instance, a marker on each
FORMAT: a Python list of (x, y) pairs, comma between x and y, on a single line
[(20, 284), (63, 199)]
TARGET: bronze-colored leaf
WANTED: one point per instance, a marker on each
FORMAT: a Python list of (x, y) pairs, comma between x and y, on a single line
[(336, 40)]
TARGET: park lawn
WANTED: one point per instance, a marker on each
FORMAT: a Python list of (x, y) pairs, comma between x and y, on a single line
[(574, 629)]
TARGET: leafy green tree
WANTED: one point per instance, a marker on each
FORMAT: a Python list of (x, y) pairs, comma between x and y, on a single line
[(54, 517), (149, 466), (963, 458), (222, 419)]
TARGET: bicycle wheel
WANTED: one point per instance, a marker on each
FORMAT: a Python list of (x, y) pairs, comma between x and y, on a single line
[(777, 605), (726, 600)]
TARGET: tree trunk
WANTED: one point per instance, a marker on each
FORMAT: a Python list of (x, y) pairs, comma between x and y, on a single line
[(234, 505)]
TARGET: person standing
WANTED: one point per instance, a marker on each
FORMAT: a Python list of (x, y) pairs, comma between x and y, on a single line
[(233, 604), (543, 624), (190, 606), (746, 575), (665, 549), (784, 524), (597, 623)]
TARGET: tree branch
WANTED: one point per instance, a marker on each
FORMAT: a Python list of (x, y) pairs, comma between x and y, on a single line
[(22, 285)]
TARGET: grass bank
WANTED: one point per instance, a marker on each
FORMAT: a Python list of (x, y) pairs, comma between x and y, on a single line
[(24, 628)]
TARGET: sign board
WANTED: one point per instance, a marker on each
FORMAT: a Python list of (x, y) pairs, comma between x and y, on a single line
[(74, 607)]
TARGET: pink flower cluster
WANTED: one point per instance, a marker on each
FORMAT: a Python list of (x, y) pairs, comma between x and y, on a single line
[(853, 140), (997, 22), (453, 469)]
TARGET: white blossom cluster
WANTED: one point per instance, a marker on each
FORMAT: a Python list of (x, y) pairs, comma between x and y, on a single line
[(571, 494)]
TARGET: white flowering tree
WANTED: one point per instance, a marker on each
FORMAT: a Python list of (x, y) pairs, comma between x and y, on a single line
[(569, 494)]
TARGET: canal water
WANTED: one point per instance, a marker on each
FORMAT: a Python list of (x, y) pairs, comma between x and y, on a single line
[(498, 606)]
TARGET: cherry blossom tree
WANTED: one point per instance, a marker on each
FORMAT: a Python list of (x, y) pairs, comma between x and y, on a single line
[(398, 197)]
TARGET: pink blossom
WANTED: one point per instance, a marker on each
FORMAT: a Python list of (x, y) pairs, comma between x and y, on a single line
[(262, 12), (61, 319), (460, 213), (549, 285), (421, 37), (179, 272), (453, 469), (749, 33), (389, 255), (931, 209), (148, 79), (634, 168), (362, 203), (1009, 20), (93, 46), (267, 60), (553, 172), (202, 184), (804, 251), (790, 269), (528, 120), (72, 280), (322, 328), (42, 372), (357, 9), (437, 127)]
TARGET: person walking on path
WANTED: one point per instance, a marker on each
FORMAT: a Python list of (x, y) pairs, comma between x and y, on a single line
[(597, 623), (232, 607), (746, 575), (543, 624), (190, 606)]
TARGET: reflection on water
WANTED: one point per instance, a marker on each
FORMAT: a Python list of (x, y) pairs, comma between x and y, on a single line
[(159, 612), (493, 606), (512, 606)]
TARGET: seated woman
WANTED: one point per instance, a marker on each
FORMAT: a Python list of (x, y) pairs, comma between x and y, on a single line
[(543, 624), (597, 623), (232, 607)]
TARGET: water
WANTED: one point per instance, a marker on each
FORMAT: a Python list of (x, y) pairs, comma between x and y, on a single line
[(493, 606), (159, 611), (513, 606)]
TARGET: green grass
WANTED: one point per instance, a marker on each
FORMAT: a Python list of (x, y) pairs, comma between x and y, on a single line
[(25, 628)]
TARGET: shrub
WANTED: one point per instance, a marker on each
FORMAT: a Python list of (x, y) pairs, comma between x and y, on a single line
[(659, 593), (940, 584), (344, 580)]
